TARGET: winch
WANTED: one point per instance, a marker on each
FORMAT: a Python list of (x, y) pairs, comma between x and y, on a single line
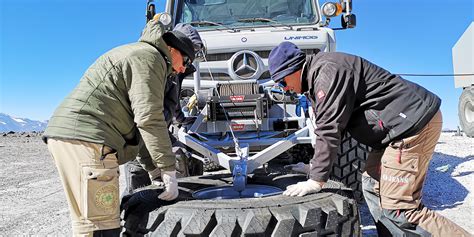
[(247, 106)]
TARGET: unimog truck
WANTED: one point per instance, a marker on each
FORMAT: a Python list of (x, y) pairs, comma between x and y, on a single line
[(463, 63), (252, 129)]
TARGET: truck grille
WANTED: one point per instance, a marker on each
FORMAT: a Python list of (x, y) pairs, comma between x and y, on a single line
[(261, 53), (222, 76), (227, 56)]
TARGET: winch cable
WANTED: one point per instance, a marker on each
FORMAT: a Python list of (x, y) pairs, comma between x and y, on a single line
[(435, 75), (239, 171), (234, 138), (231, 89)]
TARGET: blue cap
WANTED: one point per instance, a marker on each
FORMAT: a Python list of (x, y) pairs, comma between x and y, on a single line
[(284, 60)]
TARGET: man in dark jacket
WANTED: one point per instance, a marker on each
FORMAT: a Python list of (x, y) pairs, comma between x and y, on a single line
[(399, 119), (135, 175)]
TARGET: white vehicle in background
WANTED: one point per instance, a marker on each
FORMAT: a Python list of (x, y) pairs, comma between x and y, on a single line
[(463, 62)]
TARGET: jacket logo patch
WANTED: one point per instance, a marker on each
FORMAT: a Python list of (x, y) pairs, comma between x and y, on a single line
[(107, 198), (320, 94)]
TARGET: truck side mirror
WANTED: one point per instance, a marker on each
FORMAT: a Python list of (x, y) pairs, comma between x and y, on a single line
[(348, 21), (150, 10)]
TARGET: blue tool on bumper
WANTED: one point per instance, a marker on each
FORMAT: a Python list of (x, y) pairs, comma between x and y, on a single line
[(303, 103), (239, 172)]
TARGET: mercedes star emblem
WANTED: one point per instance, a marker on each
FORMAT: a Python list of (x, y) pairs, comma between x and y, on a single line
[(245, 64), (245, 67)]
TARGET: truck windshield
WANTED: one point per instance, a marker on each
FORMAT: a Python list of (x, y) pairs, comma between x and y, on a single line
[(232, 14)]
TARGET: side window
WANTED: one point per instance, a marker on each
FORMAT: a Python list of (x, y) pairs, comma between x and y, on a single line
[(184, 11), (308, 10), (187, 15)]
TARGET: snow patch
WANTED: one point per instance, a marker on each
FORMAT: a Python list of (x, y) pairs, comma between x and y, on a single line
[(19, 120)]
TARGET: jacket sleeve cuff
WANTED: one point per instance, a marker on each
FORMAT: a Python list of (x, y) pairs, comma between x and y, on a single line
[(318, 178), (146, 163)]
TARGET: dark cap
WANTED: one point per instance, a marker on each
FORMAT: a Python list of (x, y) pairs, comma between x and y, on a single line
[(191, 33), (179, 41), (284, 60)]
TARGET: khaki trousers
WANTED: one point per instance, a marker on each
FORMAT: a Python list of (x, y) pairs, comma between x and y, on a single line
[(393, 183), (89, 173)]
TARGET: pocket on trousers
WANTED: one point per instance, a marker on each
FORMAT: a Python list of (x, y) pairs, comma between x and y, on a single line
[(398, 176), (100, 193)]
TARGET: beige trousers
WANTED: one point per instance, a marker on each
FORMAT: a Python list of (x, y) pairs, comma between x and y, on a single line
[(89, 173), (399, 172)]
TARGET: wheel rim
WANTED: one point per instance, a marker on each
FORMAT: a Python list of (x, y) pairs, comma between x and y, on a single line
[(469, 112), (228, 192)]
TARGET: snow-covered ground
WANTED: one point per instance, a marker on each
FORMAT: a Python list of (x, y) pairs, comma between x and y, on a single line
[(449, 187), (33, 202)]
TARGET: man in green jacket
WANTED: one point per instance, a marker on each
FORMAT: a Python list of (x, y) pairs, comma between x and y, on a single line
[(115, 111), (135, 175)]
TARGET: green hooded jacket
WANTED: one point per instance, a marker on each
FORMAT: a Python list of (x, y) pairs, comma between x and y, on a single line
[(119, 102)]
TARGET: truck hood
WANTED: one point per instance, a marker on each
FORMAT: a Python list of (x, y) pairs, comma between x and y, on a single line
[(225, 41)]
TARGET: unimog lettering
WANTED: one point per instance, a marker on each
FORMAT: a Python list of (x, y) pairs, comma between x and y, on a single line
[(303, 37)]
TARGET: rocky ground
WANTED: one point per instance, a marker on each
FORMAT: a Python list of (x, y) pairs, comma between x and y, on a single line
[(33, 202)]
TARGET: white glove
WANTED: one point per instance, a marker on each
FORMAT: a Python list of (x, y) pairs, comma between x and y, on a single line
[(171, 185), (155, 177), (302, 188), (300, 167)]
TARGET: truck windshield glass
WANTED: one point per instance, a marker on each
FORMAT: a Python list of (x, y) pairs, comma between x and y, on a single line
[(235, 13)]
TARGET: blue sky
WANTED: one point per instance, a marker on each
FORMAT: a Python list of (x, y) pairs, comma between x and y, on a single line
[(46, 45)]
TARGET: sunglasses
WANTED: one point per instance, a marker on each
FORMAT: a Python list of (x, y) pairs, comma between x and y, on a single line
[(186, 60)]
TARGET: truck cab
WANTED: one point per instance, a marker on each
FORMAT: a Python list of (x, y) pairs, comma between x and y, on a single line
[(239, 34)]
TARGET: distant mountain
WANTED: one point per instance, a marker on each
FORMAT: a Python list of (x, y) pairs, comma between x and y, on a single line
[(9, 123)]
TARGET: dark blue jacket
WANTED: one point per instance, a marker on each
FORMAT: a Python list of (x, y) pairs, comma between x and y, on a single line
[(349, 93)]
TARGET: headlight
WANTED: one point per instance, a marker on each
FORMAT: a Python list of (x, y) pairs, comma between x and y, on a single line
[(331, 9), (164, 18)]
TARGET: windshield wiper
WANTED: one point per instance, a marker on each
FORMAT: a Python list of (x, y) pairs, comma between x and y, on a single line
[(211, 23), (260, 19)]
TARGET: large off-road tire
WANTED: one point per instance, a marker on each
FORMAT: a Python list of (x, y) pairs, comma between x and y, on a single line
[(211, 166), (350, 162), (331, 212), (466, 111), (346, 168), (188, 166)]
